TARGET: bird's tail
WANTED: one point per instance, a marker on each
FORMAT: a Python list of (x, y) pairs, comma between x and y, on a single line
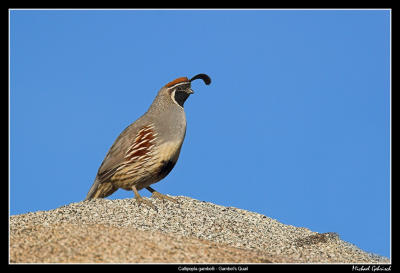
[(93, 189), (100, 190)]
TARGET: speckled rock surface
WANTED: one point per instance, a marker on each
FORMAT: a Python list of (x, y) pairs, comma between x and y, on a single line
[(189, 231)]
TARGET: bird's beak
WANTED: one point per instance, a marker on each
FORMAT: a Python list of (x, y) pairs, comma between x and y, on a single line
[(190, 91)]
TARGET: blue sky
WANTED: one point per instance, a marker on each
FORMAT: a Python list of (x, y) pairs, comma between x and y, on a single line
[(295, 125)]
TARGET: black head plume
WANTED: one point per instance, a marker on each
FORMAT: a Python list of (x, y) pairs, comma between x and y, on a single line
[(204, 77)]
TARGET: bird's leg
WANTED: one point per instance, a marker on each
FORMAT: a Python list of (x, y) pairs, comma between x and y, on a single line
[(140, 199), (158, 195)]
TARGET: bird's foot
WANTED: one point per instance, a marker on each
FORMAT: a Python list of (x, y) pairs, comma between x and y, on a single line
[(158, 195), (140, 200)]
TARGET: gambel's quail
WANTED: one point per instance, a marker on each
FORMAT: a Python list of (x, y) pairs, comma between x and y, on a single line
[(147, 150)]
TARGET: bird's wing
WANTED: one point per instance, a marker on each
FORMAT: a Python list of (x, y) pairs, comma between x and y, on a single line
[(131, 148), (116, 155)]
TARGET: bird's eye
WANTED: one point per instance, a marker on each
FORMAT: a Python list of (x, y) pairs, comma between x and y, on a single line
[(181, 88)]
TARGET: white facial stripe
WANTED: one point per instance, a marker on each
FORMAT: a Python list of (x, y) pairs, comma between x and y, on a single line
[(173, 98), (178, 84)]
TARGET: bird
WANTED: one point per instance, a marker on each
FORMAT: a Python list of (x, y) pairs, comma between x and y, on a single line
[(148, 149)]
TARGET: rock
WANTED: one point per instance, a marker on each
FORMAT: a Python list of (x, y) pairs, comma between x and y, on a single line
[(189, 231)]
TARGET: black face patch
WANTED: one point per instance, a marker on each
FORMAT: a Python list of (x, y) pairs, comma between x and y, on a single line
[(166, 168), (180, 97)]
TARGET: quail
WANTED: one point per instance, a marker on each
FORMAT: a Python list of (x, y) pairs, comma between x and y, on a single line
[(148, 149)]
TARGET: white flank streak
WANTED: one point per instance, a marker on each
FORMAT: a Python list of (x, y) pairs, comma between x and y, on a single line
[(134, 158), (138, 144), (146, 135)]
